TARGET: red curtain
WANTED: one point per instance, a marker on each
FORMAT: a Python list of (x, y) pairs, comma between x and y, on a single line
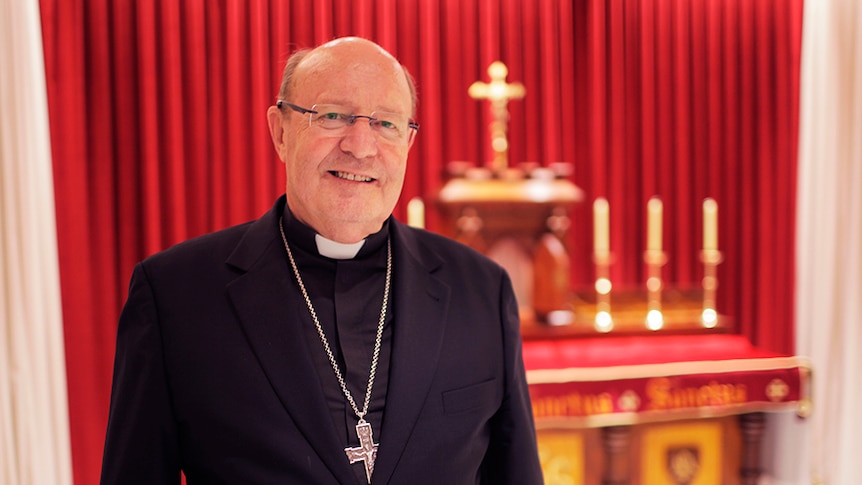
[(687, 99), (158, 133)]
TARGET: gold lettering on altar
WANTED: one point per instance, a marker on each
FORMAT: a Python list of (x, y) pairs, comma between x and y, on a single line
[(499, 92), (573, 404), (662, 394)]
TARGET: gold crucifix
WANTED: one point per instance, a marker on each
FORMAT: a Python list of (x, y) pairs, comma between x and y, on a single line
[(499, 93)]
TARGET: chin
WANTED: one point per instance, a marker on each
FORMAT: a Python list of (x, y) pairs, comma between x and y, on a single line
[(370, 225), (360, 213)]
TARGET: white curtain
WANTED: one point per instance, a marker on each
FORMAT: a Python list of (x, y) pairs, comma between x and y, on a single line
[(34, 424), (825, 448)]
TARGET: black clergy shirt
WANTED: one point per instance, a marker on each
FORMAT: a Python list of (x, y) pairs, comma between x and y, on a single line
[(347, 295)]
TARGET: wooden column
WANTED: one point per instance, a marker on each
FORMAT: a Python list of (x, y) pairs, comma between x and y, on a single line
[(752, 426), (616, 442)]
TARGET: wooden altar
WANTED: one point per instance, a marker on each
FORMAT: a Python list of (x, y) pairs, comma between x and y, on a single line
[(681, 406)]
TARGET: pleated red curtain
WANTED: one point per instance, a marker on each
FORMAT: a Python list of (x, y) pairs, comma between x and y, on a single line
[(159, 134), (694, 99)]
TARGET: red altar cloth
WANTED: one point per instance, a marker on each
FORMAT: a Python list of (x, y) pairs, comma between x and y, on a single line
[(625, 380)]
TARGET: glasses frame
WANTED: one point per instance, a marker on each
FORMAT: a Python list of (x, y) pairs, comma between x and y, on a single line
[(411, 124)]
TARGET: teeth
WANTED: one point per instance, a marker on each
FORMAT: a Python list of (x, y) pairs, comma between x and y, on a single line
[(352, 177)]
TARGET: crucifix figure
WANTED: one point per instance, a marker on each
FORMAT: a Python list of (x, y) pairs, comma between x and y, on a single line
[(499, 93), (367, 449)]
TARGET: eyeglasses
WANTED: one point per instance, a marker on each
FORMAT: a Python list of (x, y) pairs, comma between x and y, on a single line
[(391, 127)]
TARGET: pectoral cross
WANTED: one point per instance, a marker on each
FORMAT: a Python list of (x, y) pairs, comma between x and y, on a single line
[(499, 93), (367, 449)]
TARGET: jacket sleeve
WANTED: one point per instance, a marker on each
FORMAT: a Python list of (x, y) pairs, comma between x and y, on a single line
[(512, 457), (141, 444)]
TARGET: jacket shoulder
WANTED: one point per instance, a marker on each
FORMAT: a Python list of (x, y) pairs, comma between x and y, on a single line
[(214, 245)]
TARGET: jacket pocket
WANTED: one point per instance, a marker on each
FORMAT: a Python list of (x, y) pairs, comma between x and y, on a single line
[(472, 397)]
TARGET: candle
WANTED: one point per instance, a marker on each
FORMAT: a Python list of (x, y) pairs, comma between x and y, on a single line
[(654, 210), (416, 213), (710, 225), (601, 245)]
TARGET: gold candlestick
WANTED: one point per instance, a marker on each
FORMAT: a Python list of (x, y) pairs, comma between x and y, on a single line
[(654, 259), (416, 213), (602, 259), (711, 258), (603, 321)]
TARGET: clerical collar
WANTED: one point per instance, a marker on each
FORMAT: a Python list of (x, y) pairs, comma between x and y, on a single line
[(310, 241), (337, 250)]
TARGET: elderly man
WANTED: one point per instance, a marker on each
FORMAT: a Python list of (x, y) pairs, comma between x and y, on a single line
[(325, 342)]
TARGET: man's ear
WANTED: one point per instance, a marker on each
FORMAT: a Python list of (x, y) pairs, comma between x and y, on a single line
[(275, 120)]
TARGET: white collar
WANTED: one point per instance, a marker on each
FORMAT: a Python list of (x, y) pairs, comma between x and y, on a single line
[(337, 250)]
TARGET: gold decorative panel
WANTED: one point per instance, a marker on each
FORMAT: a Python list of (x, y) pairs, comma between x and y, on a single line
[(682, 454), (562, 455)]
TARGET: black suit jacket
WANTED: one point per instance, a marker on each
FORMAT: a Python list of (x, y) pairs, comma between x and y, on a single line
[(213, 377)]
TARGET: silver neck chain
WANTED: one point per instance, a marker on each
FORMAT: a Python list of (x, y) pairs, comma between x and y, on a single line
[(359, 413)]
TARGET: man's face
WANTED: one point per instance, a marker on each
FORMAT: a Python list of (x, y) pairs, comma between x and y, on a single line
[(344, 185)]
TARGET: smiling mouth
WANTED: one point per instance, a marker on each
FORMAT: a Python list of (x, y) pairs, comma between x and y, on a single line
[(351, 176)]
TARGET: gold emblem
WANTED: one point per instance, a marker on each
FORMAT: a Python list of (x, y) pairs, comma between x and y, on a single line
[(683, 464), (629, 401), (777, 390)]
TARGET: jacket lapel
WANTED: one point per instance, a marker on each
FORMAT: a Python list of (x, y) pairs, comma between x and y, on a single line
[(421, 302), (273, 333)]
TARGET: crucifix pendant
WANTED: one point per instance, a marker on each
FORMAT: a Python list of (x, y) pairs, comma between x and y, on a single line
[(367, 449)]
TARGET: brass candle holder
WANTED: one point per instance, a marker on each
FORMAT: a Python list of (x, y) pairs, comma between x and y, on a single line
[(710, 258), (603, 320), (654, 259)]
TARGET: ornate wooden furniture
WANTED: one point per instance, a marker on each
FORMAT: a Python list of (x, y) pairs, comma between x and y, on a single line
[(520, 218)]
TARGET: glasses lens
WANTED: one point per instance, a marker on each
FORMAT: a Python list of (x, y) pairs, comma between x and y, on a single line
[(330, 116), (391, 126)]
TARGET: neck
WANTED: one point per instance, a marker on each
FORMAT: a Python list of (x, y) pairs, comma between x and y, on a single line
[(343, 232), (335, 227)]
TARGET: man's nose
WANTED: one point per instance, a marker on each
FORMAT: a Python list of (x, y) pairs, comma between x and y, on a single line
[(360, 139)]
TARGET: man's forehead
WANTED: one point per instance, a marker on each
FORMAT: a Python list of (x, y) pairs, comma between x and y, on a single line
[(351, 52), (343, 61)]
